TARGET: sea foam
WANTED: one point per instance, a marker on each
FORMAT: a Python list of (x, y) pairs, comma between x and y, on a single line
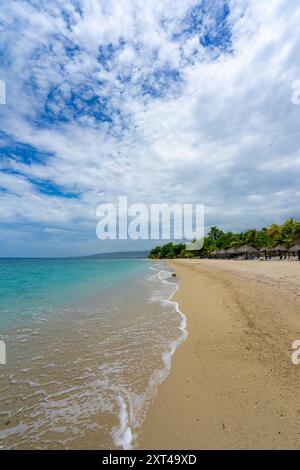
[(123, 435)]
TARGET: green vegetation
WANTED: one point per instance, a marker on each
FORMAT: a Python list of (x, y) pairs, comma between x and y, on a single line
[(170, 250), (286, 234)]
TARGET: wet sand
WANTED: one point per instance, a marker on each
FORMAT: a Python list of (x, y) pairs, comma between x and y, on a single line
[(232, 384)]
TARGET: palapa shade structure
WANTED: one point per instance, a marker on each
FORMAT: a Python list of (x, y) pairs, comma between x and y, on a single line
[(232, 252), (280, 249), (222, 252), (295, 249), (214, 253), (266, 250), (247, 249), (218, 253)]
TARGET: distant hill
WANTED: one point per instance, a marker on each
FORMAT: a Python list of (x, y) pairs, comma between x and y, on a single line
[(120, 255)]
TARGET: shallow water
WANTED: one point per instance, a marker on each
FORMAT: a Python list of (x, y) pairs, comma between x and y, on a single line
[(88, 341)]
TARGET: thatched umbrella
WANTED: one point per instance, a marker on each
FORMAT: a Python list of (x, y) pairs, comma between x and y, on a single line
[(280, 249), (247, 250), (232, 252), (266, 250), (222, 252), (295, 249)]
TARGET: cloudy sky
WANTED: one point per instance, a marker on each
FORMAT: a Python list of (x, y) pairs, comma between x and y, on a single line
[(159, 100)]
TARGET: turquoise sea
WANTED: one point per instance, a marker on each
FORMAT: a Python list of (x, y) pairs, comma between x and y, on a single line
[(88, 341), (36, 287)]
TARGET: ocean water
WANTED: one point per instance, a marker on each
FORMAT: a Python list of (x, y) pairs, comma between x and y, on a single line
[(88, 342)]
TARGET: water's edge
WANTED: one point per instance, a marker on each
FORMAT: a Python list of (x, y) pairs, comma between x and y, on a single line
[(124, 436)]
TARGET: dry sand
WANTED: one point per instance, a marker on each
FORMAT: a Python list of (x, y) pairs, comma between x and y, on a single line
[(232, 383)]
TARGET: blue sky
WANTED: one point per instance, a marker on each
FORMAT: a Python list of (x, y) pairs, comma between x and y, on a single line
[(162, 101)]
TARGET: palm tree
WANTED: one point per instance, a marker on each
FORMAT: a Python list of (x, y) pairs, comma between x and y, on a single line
[(288, 240), (290, 232), (288, 226), (262, 239), (296, 231), (250, 237), (274, 231), (215, 233), (237, 240)]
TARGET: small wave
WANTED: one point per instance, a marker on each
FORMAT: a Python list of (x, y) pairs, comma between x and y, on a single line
[(161, 374), (123, 434)]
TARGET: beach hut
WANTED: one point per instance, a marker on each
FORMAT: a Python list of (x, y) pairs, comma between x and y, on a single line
[(295, 250), (248, 251), (222, 253), (214, 253)]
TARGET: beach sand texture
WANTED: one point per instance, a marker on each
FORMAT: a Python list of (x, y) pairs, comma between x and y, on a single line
[(232, 384)]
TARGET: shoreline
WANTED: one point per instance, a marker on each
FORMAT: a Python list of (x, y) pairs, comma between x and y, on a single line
[(232, 383)]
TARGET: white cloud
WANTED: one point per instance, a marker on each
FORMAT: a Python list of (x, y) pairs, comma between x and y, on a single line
[(225, 134)]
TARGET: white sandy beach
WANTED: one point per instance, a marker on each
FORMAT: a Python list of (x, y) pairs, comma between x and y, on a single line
[(232, 383)]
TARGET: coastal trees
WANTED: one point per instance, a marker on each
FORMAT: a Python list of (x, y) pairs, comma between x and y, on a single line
[(286, 234), (168, 251), (155, 252)]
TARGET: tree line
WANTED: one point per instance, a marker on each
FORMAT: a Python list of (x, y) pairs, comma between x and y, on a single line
[(287, 234)]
